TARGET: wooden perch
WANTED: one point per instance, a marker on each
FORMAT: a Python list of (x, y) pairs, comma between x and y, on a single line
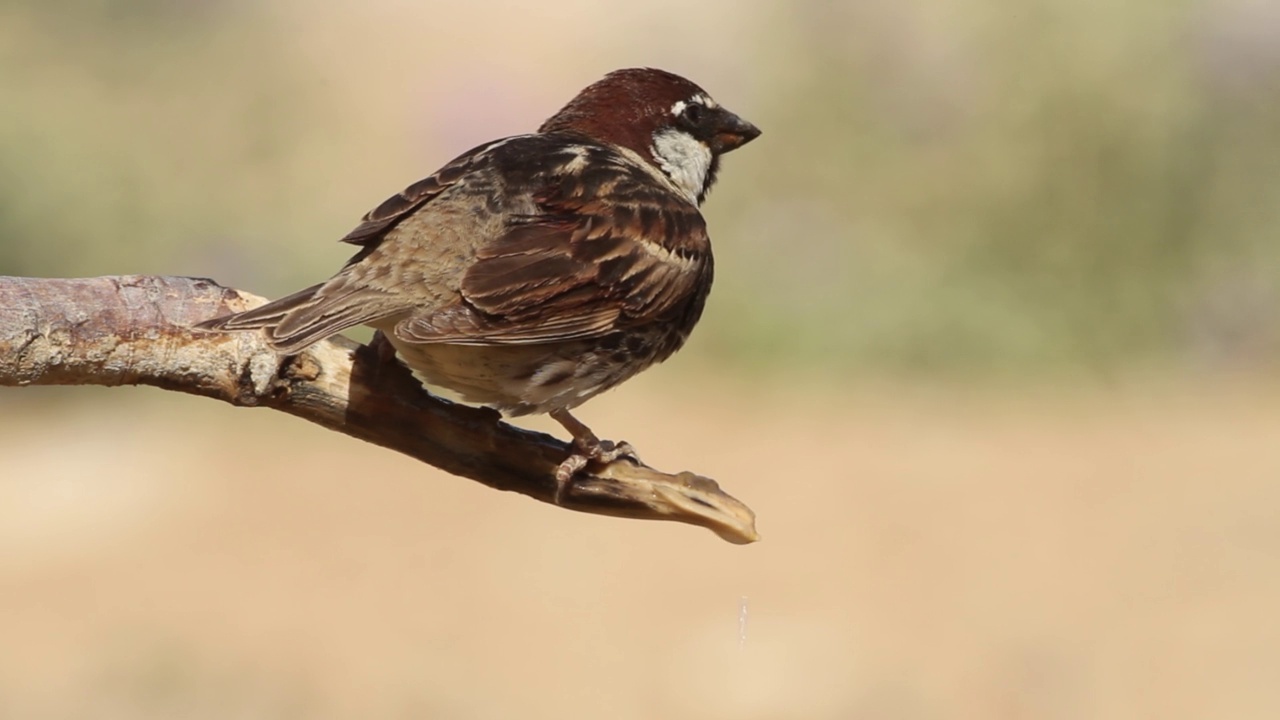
[(136, 330)]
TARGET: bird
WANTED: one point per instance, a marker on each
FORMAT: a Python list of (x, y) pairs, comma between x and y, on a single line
[(534, 272)]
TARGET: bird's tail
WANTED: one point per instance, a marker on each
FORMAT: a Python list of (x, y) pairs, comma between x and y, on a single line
[(306, 317)]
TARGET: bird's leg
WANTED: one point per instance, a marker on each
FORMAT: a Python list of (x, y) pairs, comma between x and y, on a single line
[(587, 448), (384, 353)]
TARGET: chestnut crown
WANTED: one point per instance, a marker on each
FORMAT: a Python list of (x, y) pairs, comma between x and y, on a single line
[(662, 117)]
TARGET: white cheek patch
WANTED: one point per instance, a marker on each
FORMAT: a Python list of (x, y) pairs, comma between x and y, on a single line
[(684, 159)]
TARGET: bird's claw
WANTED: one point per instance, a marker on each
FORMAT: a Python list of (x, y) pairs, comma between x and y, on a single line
[(584, 454)]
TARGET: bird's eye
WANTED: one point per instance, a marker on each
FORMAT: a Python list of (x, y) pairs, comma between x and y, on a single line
[(694, 113)]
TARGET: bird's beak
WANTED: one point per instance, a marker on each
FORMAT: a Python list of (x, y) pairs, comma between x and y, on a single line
[(732, 132)]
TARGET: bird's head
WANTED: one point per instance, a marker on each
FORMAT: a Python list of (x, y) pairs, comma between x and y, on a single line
[(662, 117)]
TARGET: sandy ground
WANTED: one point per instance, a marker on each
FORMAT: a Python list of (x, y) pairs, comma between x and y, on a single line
[(925, 555)]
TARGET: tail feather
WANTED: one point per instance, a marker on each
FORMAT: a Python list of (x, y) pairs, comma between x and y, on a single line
[(306, 317), (263, 316), (327, 316)]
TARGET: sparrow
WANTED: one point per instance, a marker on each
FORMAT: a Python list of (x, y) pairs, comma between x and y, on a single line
[(534, 272)]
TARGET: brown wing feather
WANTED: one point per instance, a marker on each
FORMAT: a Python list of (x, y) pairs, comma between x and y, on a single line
[(606, 249), (308, 316), (380, 220), (610, 253)]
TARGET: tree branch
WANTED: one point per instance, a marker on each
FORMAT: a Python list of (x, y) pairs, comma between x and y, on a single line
[(136, 330)]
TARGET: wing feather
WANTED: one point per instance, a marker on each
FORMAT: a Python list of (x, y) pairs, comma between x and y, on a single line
[(308, 316), (588, 263), (379, 221), (593, 252)]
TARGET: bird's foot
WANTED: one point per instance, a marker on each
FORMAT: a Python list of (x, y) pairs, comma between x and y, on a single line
[(384, 364), (587, 451)]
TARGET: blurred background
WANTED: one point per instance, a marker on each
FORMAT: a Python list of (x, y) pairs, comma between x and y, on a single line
[(992, 353)]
